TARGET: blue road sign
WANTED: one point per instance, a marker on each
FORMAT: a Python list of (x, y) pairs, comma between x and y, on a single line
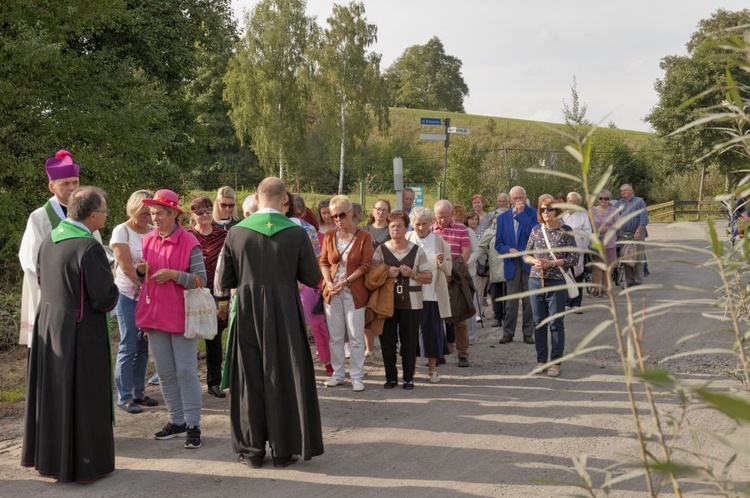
[(431, 121)]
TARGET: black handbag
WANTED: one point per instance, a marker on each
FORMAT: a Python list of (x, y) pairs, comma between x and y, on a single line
[(483, 266), (318, 309)]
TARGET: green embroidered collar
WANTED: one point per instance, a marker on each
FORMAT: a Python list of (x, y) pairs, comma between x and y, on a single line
[(268, 224), (67, 230)]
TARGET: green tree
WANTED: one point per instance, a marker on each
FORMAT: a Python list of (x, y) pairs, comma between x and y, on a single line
[(575, 113), (686, 77), (350, 89), (425, 77), (266, 82)]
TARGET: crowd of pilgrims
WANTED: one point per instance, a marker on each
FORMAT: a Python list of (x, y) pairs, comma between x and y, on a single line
[(417, 279)]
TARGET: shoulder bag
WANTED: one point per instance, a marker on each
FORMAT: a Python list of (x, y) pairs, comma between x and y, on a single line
[(570, 282)]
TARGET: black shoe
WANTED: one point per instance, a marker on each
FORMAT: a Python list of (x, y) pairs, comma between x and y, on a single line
[(441, 361), (496, 323), (254, 461), (390, 384), (463, 362), (506, 339), (528, 339), (170, 430), (131, 407), (216, 391), (193, 439), (408, 385), (281, 462), (146, 401)]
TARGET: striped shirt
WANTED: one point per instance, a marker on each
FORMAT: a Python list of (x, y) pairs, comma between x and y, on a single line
[(455, 234), (211, 246)]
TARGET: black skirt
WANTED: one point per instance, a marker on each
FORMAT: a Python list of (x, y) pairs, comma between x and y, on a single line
[(431, 333)]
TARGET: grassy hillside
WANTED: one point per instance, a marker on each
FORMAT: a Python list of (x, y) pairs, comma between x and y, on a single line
[(483, 129)]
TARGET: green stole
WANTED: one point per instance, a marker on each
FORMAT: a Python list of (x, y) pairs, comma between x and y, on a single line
[(52, 214), (66, 231), (268, 225)]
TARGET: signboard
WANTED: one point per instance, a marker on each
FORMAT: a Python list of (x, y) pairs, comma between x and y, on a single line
[(418, 195), (431, 121), (432, 136), (459, 131)]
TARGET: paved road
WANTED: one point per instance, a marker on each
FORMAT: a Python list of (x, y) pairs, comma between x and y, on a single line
[(489, 430)]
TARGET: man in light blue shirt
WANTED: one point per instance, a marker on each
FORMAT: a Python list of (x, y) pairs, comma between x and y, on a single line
[(633, 229)]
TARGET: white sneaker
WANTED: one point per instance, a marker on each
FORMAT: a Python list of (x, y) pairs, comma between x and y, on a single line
[(333, 382), (357, 386), (567, 308), (368, 356), (347, 352), (479, 318), (434, 378)]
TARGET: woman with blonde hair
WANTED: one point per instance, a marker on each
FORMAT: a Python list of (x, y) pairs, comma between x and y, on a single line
[(345, 258), (605, 216), (225, 213), (549, 257), (132, 352)]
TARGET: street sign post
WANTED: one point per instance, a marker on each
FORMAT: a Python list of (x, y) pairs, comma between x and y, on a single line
[(432, 136), (431, 121), (459, 131)]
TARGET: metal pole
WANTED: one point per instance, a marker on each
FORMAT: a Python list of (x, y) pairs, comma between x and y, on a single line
[(445, 159)]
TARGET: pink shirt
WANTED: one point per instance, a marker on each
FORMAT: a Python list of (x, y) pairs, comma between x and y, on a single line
[(456, 235)]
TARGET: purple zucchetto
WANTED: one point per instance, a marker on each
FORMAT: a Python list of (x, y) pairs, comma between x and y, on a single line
[(61, 166)]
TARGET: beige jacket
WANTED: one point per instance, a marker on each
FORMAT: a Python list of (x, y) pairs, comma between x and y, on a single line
[(439, 274)]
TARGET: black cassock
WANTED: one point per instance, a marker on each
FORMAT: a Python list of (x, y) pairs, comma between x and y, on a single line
[(274, 398), (69, 412)]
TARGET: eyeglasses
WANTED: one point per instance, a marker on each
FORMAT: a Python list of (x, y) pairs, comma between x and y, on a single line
[(227, 206), (380, 210), (201, 212), (603, 198), (547, 209), (339, 216), (107, 211)]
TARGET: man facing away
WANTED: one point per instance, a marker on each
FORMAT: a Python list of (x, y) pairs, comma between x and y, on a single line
[(634, 229), (269, 368), (69, 412), (513, 230), (62, 174)]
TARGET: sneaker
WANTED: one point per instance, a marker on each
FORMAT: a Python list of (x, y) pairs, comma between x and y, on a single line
[(408, 385), (329, 370), (347, 351), (333, 382), (434, 378), (368, 356), (577, 310), (463, 362), (193, 439), (496, 323), (567, 308), (528, 339), (479, 318), (554, 371), (154, 380), (171, 430), (357, 386)]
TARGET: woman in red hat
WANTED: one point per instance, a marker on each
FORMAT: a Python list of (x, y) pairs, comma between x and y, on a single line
[(172, 262)]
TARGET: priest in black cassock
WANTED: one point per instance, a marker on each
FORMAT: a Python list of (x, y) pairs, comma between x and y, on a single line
[(69, 413), (268, 367)]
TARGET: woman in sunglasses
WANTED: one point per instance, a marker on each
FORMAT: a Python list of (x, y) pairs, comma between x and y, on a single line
[(211, 237), (345, 258), (549, 241), (605, 215), (225, 212)]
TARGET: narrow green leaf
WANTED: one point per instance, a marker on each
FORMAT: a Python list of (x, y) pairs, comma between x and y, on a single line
[(586, 162), (733, 95), (732, 406), (674, 468), (574, 152), (658, 378)]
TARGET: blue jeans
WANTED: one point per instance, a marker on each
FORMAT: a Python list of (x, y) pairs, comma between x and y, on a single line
[(132, 355), (544, 305)]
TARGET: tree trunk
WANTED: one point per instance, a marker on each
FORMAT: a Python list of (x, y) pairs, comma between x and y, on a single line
[(281, 164), (343, 151)]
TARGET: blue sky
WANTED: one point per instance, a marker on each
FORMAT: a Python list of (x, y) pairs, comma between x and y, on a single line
[(519, 57)]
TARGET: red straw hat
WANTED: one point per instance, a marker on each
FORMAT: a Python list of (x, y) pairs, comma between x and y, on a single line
[(165, 197)]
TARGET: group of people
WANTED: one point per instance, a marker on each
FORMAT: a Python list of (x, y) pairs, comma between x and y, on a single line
[(415, 278)]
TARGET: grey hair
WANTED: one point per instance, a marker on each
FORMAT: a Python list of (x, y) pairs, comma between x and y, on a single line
[(420, 213), (443, 202), (249, 205), (574, 195), (84, 201)]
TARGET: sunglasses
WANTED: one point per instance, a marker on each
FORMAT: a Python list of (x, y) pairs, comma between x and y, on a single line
[(226, 206), (201, 212), (603, 198), (547, 209), (339, 216)]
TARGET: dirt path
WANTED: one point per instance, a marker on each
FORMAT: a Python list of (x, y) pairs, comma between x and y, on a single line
[(489, 430)]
